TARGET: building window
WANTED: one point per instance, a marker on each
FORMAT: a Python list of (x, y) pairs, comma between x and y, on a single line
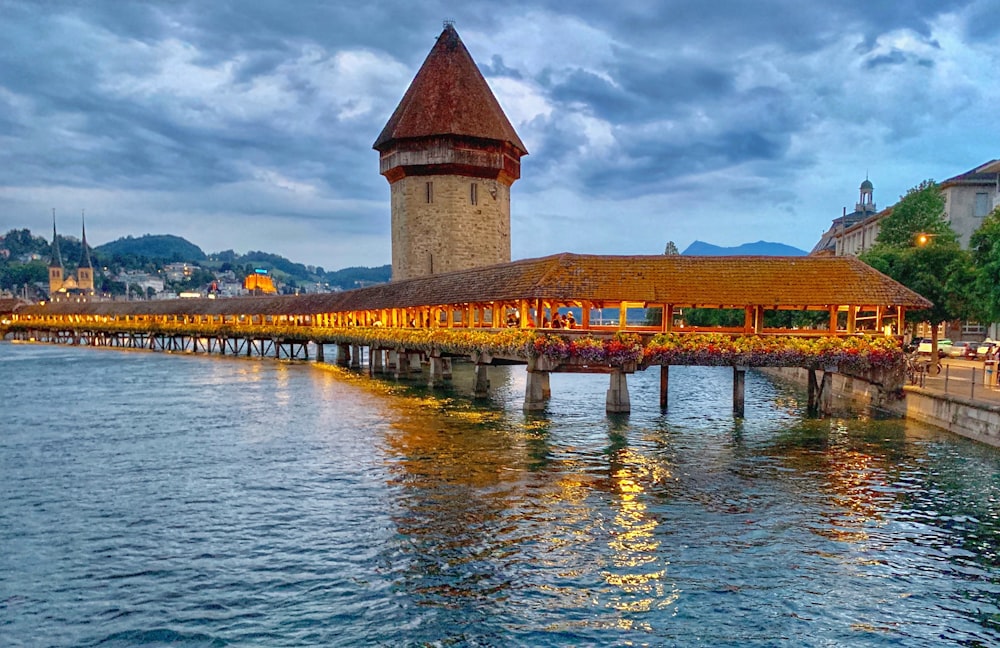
[(973, 328), (430, 192), (474, 194), (982, 204)]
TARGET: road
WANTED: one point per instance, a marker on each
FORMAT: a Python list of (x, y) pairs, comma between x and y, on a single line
[(964, 378)]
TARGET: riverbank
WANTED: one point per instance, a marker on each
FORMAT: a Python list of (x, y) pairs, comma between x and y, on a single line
[(975, 416)]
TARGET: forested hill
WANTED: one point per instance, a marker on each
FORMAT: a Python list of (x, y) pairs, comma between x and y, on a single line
[(155, 247)]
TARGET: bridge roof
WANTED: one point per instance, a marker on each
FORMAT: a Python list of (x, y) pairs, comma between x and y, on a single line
[(710, 282)]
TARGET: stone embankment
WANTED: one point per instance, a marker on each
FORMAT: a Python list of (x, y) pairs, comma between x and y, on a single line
[(966, 406)]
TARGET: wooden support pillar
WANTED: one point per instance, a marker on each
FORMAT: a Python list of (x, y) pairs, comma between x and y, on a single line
[(833, 320), (415, 363), (664, 383), (852, 318), (668, 318), (739, 391), (355, 356), (402, 369), (812, 406), (440, 370), (375, 361), (391, 361), (617, 401), (482, 386), (537, 391), (826, 391), (319, 352), (343, 354)]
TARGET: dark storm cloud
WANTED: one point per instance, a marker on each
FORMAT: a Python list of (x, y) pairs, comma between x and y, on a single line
[(268, 109)]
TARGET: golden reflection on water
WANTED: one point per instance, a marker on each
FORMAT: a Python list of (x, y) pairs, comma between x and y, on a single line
[(634, 539)]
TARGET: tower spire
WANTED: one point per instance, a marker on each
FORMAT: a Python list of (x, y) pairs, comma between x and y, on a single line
[(56, 260), (85, 271), (85, 254)]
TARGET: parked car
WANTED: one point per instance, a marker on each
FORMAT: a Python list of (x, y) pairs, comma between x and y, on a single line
[(915, 344), (943, 346), (986, 349), (963, 349)]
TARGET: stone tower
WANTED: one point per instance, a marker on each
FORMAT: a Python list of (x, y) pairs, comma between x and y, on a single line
[(450, 156), (85, 271), (55, 263), (866, 202)]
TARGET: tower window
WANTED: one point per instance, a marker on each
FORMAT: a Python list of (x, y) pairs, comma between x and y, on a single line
[(474, 194), (430, 192)]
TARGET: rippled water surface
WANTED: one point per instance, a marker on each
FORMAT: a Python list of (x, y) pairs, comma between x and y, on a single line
[(167, 500)]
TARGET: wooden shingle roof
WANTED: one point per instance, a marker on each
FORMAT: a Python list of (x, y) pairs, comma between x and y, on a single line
[(713, 282), (449, 96)]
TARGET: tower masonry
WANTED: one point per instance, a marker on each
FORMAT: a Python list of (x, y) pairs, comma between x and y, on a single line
[(450, 156)]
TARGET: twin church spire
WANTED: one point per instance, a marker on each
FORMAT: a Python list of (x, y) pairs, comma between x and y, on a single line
[(62, 286)]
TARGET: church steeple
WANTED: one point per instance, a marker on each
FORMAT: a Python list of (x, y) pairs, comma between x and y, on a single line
[(450, 155), (85, 271), (55, 263)]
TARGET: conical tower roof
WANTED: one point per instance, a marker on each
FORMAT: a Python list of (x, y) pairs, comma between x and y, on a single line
[(449, 96), (85, 254), (56, 260)]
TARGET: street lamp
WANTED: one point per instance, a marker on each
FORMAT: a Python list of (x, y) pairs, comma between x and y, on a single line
[(924, 239)]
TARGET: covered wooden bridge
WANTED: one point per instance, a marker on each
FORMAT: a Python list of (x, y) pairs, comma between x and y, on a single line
[(608, 296)]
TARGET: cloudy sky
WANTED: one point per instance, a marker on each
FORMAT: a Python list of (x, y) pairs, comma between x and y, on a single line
[(248, 124)]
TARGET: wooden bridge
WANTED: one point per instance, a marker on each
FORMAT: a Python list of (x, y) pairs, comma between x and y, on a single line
[(628, 312)]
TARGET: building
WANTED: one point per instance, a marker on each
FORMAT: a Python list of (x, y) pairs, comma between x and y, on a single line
[(63, 287), (968, 197), (854, 232), (450, 156)]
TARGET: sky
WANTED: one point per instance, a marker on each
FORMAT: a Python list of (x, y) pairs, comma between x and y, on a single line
[(248, 125)]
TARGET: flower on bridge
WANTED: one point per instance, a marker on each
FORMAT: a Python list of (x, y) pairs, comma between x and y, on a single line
[(854, 353)]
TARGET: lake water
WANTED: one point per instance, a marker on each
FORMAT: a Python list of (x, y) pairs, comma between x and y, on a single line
[(167, 500)]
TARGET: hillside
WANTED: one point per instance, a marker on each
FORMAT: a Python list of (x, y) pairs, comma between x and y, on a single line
[(155, 247), (760, 248)]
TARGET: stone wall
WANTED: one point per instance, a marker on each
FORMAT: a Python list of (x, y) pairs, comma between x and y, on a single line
[(972, 419), (448, 232), (962, 416)]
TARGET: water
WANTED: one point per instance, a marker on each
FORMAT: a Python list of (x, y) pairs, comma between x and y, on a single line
[(167, 500)]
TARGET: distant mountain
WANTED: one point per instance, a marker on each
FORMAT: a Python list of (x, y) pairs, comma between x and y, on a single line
[(760, 248), (155, 247)]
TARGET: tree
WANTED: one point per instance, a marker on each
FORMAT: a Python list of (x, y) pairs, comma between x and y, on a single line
[(671, 249), (919, 212), (917, 247), (985, 249)]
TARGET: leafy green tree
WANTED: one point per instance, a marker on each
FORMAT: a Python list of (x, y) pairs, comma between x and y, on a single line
[(985, 248), (918, 248), (919, 213)]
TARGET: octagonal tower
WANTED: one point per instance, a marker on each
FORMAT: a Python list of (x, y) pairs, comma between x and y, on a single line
[(450, 156)]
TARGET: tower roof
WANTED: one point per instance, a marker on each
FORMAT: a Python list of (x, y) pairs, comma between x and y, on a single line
[(449, 96), (56, 260), (85, 254)]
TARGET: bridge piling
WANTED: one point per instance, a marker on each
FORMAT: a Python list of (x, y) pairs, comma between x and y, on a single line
[(664, 383), (812, 406), (618, 401), (481, 388), (826, 392), (739, 391), (536, 391), (356, 356)]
